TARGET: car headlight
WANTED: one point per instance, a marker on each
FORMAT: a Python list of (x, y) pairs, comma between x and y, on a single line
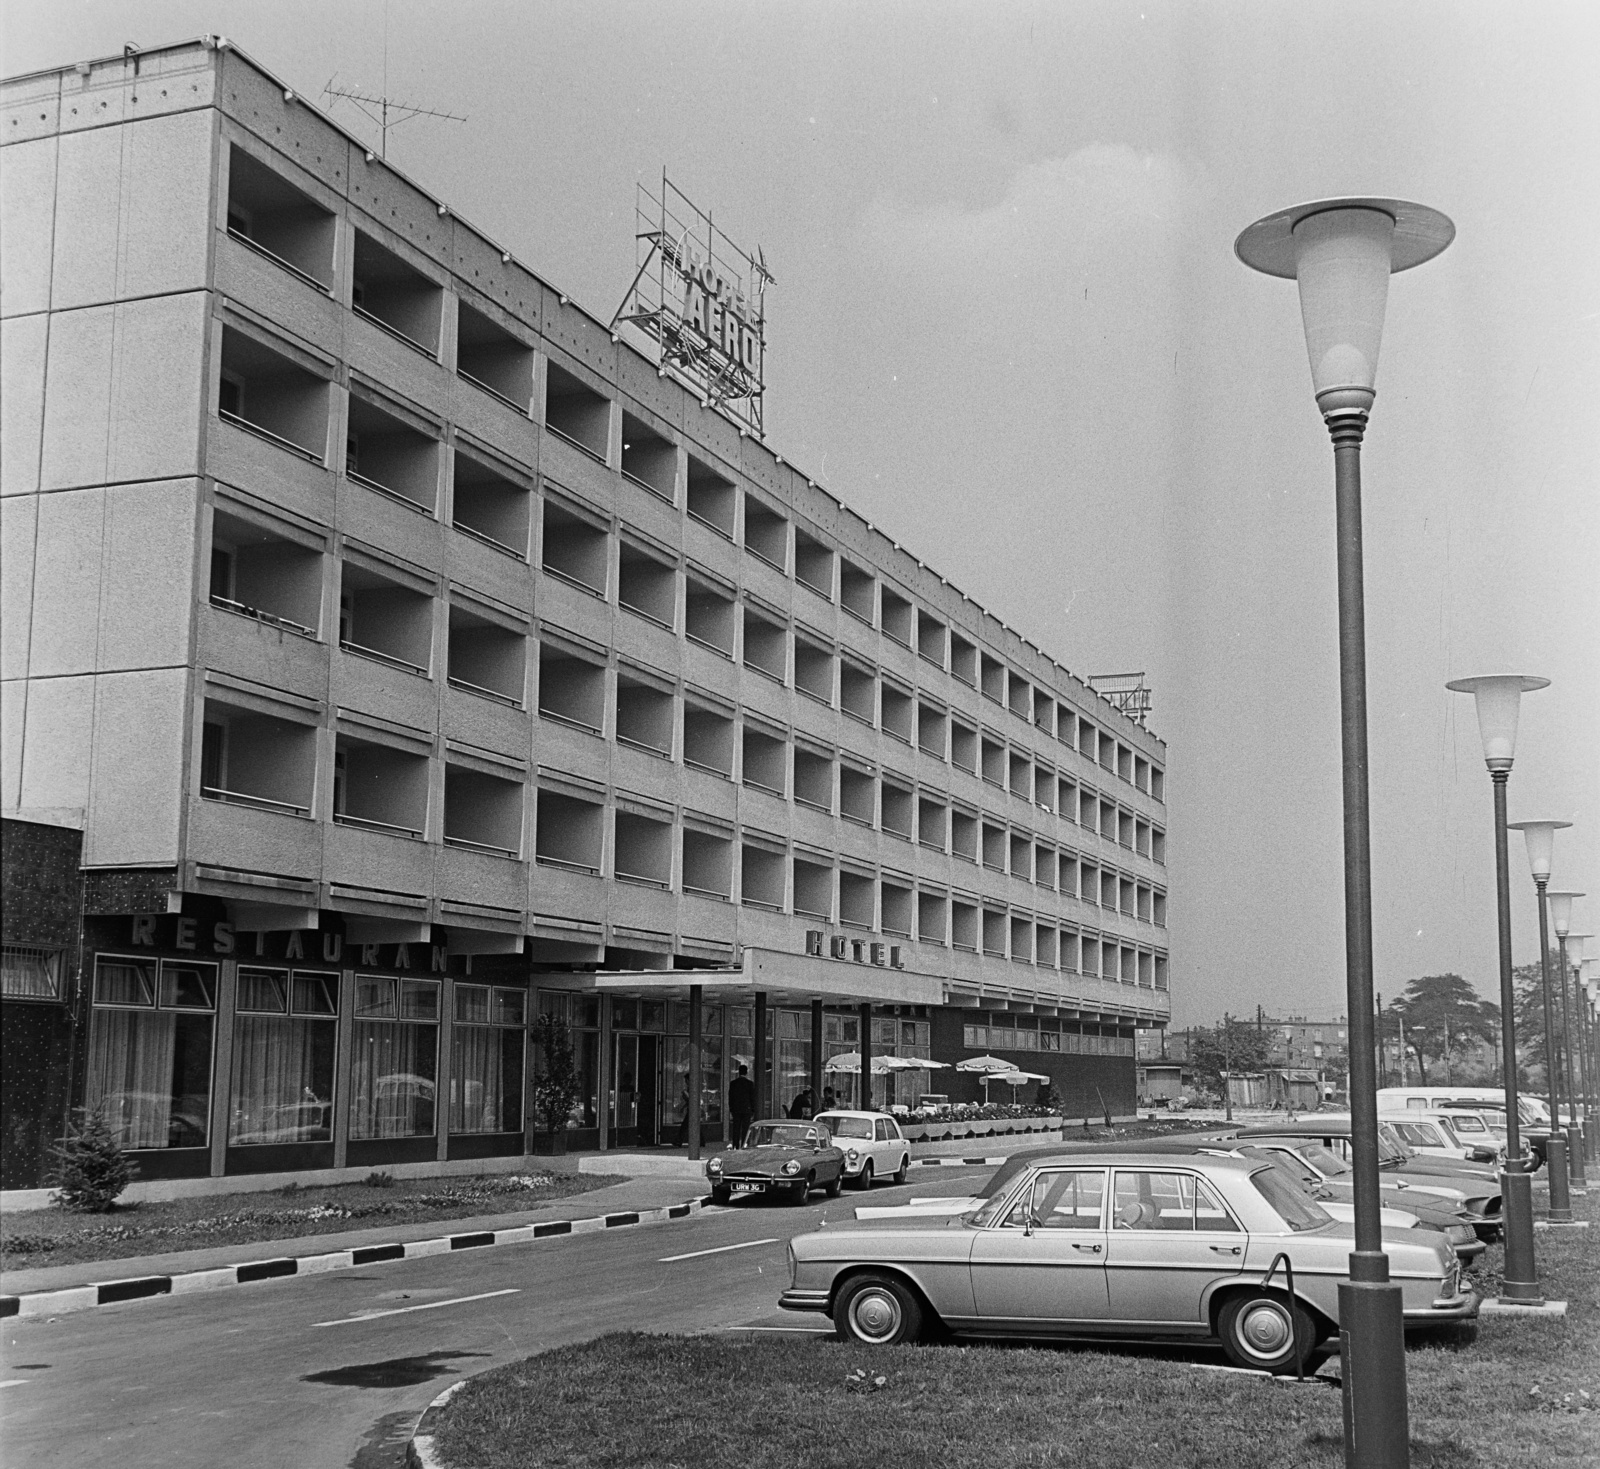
[(714, 1166), (791, 1168), (852, 1155)]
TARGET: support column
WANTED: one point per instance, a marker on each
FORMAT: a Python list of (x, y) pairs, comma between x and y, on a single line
[(815, 1077), (865, 1093), (602, 1082), (759, 1065), (696, 1044)]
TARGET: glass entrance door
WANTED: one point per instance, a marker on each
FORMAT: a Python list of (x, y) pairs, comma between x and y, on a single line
[(636, 1105)]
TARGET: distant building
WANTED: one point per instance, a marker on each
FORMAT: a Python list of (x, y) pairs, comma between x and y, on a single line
[(395, 656)]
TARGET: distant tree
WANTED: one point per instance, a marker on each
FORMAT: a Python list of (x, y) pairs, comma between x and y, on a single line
[(1444, 1018), (1529, 985), (1237, 1045)]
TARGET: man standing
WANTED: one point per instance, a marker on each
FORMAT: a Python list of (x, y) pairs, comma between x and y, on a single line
[(741, 1104), (803, 1106)]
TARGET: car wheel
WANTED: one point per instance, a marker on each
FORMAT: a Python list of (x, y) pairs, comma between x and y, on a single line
[(900, 1172), (877, 1311), (1265, 1331), (835, 1184), (721, 1194), (864, 1178)]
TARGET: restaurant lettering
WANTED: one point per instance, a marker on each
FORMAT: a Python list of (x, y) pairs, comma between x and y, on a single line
[(190, 935)]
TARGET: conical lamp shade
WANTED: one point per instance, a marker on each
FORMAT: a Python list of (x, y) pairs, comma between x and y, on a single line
[(1498, 697), (1541, 839)]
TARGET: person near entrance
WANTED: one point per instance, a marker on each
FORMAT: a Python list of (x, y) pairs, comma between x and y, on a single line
[(741, 1104), (803, 1107)]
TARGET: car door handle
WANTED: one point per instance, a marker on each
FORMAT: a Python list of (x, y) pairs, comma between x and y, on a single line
[(1225, 1249), (1092, 1249)]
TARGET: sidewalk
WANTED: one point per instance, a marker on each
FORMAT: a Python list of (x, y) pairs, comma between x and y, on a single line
[(634, 1195)]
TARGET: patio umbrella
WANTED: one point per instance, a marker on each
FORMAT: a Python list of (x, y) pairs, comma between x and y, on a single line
[(923, 1064), (1014, 1079), (990, 1066), (849, 1063)]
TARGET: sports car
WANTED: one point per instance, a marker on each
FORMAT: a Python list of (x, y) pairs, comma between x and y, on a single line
[(779, 1157)]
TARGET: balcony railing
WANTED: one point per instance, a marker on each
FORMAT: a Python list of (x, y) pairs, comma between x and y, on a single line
[(479, 383), (256, 803), (385, 658), (279, 261), (267, 434), (483, 693), (488, 540), (396, 333), (367, 823), (466, 844), (386, 491), (271, 618)]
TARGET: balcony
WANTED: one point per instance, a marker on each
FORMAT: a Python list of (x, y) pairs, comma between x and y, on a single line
[(813, 779), (708, 737), (897, 617), (766, 646), (400, 299), (813, 564), (482, 812), (713, 500), (645, 715), (269, 215), (386, 454), (487, 658), (707, 864), (256, 760), (709, 616), (761, 877), (763, 761), (575, 412), (572, 690), (380, 788), (385, 620), (489, 507), (261, 575), (813, 670), (642, 850), (575, 549), (569, 833), (269, 395), (649, 460), (766, 534), (490, 358), (813, 889), (647, 586)]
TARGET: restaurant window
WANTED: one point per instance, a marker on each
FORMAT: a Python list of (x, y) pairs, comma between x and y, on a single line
[(581, 1014), (284, 1033), (150, 1050), (394, 1062), (30, 973), (486, 1059)]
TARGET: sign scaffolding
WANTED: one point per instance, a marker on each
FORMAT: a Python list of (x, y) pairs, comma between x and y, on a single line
[(702, 301)]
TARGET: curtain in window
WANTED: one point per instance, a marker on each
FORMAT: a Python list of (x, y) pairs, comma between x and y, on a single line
[(130, 1074), (486, 1079), (392, 1076), (282, 1080)]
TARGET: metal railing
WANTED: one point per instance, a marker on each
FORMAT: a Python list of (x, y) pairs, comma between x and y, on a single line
[(369, 823), (361, 651), (278, 260), (257, 803), (227, 604), (250, 427)]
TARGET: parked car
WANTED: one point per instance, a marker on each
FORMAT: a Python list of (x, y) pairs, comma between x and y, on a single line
[(1335, 1196), (1122, 1244), (874, 1146), (779, 1157), (1432, 1135)]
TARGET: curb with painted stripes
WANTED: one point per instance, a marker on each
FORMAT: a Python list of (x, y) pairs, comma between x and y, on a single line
[(958, 1162), (142, 1287), (420, 1452)]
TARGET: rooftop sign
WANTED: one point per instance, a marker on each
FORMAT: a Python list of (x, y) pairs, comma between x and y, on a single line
[(701, 300)]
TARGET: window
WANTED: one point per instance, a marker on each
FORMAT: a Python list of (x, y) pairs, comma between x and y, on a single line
[(897, 810), (31, 973), (896, 909), (284, 1028), (992, 678), (857, 900), (489, 357), (394, 1057), (964, 926), (1020, 776), (931, 725), (150, 1038), (399, 298), (1019, 696), (1167, 1201), (930, 638), (964, 660), (994, 762), (931, 813), (1061, 1201), (649, 459), (932, 913), (575, 412), (1044, 711), (486, 1059), (964, 835)]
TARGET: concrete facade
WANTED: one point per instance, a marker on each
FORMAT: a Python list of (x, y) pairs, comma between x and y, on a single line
[(359, 584)]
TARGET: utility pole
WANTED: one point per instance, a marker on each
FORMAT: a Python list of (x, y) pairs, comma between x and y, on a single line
[(1401, 1021), (1227, 1065)]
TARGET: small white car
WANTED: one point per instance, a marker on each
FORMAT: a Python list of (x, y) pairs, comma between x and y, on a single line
[(874, 1146)]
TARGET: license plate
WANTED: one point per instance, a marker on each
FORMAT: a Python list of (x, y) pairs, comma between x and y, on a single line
[(749, 1188)]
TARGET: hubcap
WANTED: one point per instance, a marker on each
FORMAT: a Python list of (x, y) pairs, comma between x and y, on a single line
[(875, 1315), (1264, 1330)]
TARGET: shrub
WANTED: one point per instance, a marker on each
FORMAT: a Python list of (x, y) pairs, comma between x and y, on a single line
[(91, 1168), (555, 1091), (379, 1180)]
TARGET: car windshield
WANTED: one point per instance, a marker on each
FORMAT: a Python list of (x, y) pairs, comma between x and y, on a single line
[(1286, 1164), (780, 1135), (1324, 1160), (1289, 1202), (1391, 1146), (1464, 1122), (1419, 1134), (848, 1126)]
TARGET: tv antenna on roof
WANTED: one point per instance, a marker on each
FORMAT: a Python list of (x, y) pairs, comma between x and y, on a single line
[(386, 112)]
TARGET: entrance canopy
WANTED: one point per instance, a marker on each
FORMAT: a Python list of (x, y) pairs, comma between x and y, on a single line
[(785, 979)]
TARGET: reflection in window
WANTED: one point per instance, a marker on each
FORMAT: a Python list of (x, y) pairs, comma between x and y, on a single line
[(1168, 1201), (486, 1057), (1061, 1201), (150, 1063), (283, 1049), (394, 1057)]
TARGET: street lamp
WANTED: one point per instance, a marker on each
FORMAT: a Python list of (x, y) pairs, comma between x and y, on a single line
[(1541, 838), (1576, 943), (1498, 698), (1590, 1006), (1561, 921), (1341, 252)]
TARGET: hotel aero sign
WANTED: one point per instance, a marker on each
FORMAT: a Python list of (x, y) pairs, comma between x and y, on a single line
[(701, 301), (820, 945)]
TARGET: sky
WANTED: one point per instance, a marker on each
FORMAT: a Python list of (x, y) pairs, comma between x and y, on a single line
[(1009, 328)]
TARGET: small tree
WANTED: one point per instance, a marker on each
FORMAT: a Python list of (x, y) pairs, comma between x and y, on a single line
[(91, 1168), (555, 1090)]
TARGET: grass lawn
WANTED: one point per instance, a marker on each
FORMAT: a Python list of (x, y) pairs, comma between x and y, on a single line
[(57, 1237), (1511, 1399)]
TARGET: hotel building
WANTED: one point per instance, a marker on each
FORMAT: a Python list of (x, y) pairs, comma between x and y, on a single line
[(393, 655)]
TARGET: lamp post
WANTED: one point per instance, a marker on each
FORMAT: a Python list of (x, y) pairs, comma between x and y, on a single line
[(1341, 252), (1541, 837), (1590, 1006), (1561, 921), (1578, 1044), (1498, 698)]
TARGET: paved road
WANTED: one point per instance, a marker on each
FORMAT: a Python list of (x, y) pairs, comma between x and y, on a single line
[(330, 1371)]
